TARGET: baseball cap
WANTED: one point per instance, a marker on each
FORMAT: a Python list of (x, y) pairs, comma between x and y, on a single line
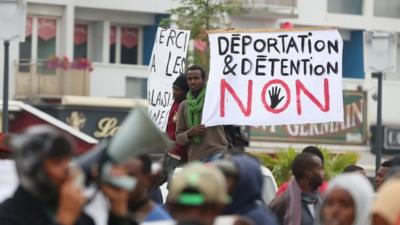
[(198, 184)]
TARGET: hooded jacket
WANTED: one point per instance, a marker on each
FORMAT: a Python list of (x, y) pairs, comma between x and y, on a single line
[(24, 209), (246, 196)]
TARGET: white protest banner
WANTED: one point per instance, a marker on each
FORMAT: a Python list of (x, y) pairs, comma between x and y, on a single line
[(274, 78), (167, 62)]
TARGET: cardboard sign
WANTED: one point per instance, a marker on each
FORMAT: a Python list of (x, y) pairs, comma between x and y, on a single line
[(274, 78), (167, 63)]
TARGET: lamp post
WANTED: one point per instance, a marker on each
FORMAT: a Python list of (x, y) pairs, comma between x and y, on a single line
[(378, 140), (12, 23), (4, 123), (380, 50)]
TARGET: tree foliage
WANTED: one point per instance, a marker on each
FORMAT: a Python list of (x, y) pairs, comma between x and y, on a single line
[(198, 16)]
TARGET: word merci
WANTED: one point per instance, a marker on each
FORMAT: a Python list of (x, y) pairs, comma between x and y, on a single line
[(300, 90), (174, 40), (283, 45)]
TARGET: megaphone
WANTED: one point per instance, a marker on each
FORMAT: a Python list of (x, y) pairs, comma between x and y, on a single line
[(137, 135)]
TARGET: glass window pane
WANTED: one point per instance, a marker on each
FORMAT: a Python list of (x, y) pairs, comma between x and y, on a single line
[(80, 41), (136, 87), (25, 48), (25, 54), (345, 6), (128, 55), (113, 33), (46, 43), (387, 8), (129, 45)]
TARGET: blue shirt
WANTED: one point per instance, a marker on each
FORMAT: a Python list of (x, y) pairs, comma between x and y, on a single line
[(158, 213)]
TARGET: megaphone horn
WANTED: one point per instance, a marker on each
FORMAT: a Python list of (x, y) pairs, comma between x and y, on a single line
[(138, 135)]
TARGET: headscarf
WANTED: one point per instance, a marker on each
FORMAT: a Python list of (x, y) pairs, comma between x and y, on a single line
[(361, 191), (387, 201)]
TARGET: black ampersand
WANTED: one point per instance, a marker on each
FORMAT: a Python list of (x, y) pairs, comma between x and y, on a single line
[(228, 69)]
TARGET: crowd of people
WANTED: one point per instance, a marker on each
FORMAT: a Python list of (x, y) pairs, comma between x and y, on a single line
[(213, 185)]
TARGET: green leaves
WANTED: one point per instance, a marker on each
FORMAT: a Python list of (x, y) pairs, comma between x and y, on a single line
[(280, 164), (198, 16)]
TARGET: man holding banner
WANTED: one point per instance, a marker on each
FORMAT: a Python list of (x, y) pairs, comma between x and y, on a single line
[(204, 143)]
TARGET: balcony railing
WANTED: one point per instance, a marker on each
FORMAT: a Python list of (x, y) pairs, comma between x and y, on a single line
[(35, 80), (271, 8)]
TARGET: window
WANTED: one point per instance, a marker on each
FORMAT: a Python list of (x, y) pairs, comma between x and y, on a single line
[(80, 41), (387, 8), (136, 87), (46, 46), (353, 7), (25, 48), (40, 43), (124, 45)]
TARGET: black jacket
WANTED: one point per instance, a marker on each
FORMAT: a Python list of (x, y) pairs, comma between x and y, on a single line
[(24, 209)]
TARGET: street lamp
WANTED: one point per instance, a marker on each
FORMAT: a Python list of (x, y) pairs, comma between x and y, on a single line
[(12, 23), (380, 58)]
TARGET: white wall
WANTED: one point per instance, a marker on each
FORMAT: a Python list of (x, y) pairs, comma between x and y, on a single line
[(108, 80), (314, 13), (151, 6), (390, 98)]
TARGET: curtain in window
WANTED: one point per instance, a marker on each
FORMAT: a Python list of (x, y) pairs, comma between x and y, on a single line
[(80, 40), (129, 42)]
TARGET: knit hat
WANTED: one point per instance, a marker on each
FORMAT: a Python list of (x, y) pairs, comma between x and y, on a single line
[(198, 184), (181, 82)]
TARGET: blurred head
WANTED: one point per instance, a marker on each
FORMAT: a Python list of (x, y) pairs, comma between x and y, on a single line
[(347, 201), (42, 156), (197, 193), (355, 168), (230, 171), (308, 168), (386, 208), (314, 150), (382, 171), (140, 168), (196, 77), (180, 88)]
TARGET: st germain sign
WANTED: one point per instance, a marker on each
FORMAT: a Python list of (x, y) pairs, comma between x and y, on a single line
[(352, 131)]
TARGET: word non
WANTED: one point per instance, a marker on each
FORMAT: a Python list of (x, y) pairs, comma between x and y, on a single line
[(300, 91)]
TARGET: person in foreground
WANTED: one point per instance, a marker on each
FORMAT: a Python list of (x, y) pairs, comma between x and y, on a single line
[(386, 208), (134, 206), (299, 203), (197, 194), (348, 201), (245, 183), (47, 193)]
